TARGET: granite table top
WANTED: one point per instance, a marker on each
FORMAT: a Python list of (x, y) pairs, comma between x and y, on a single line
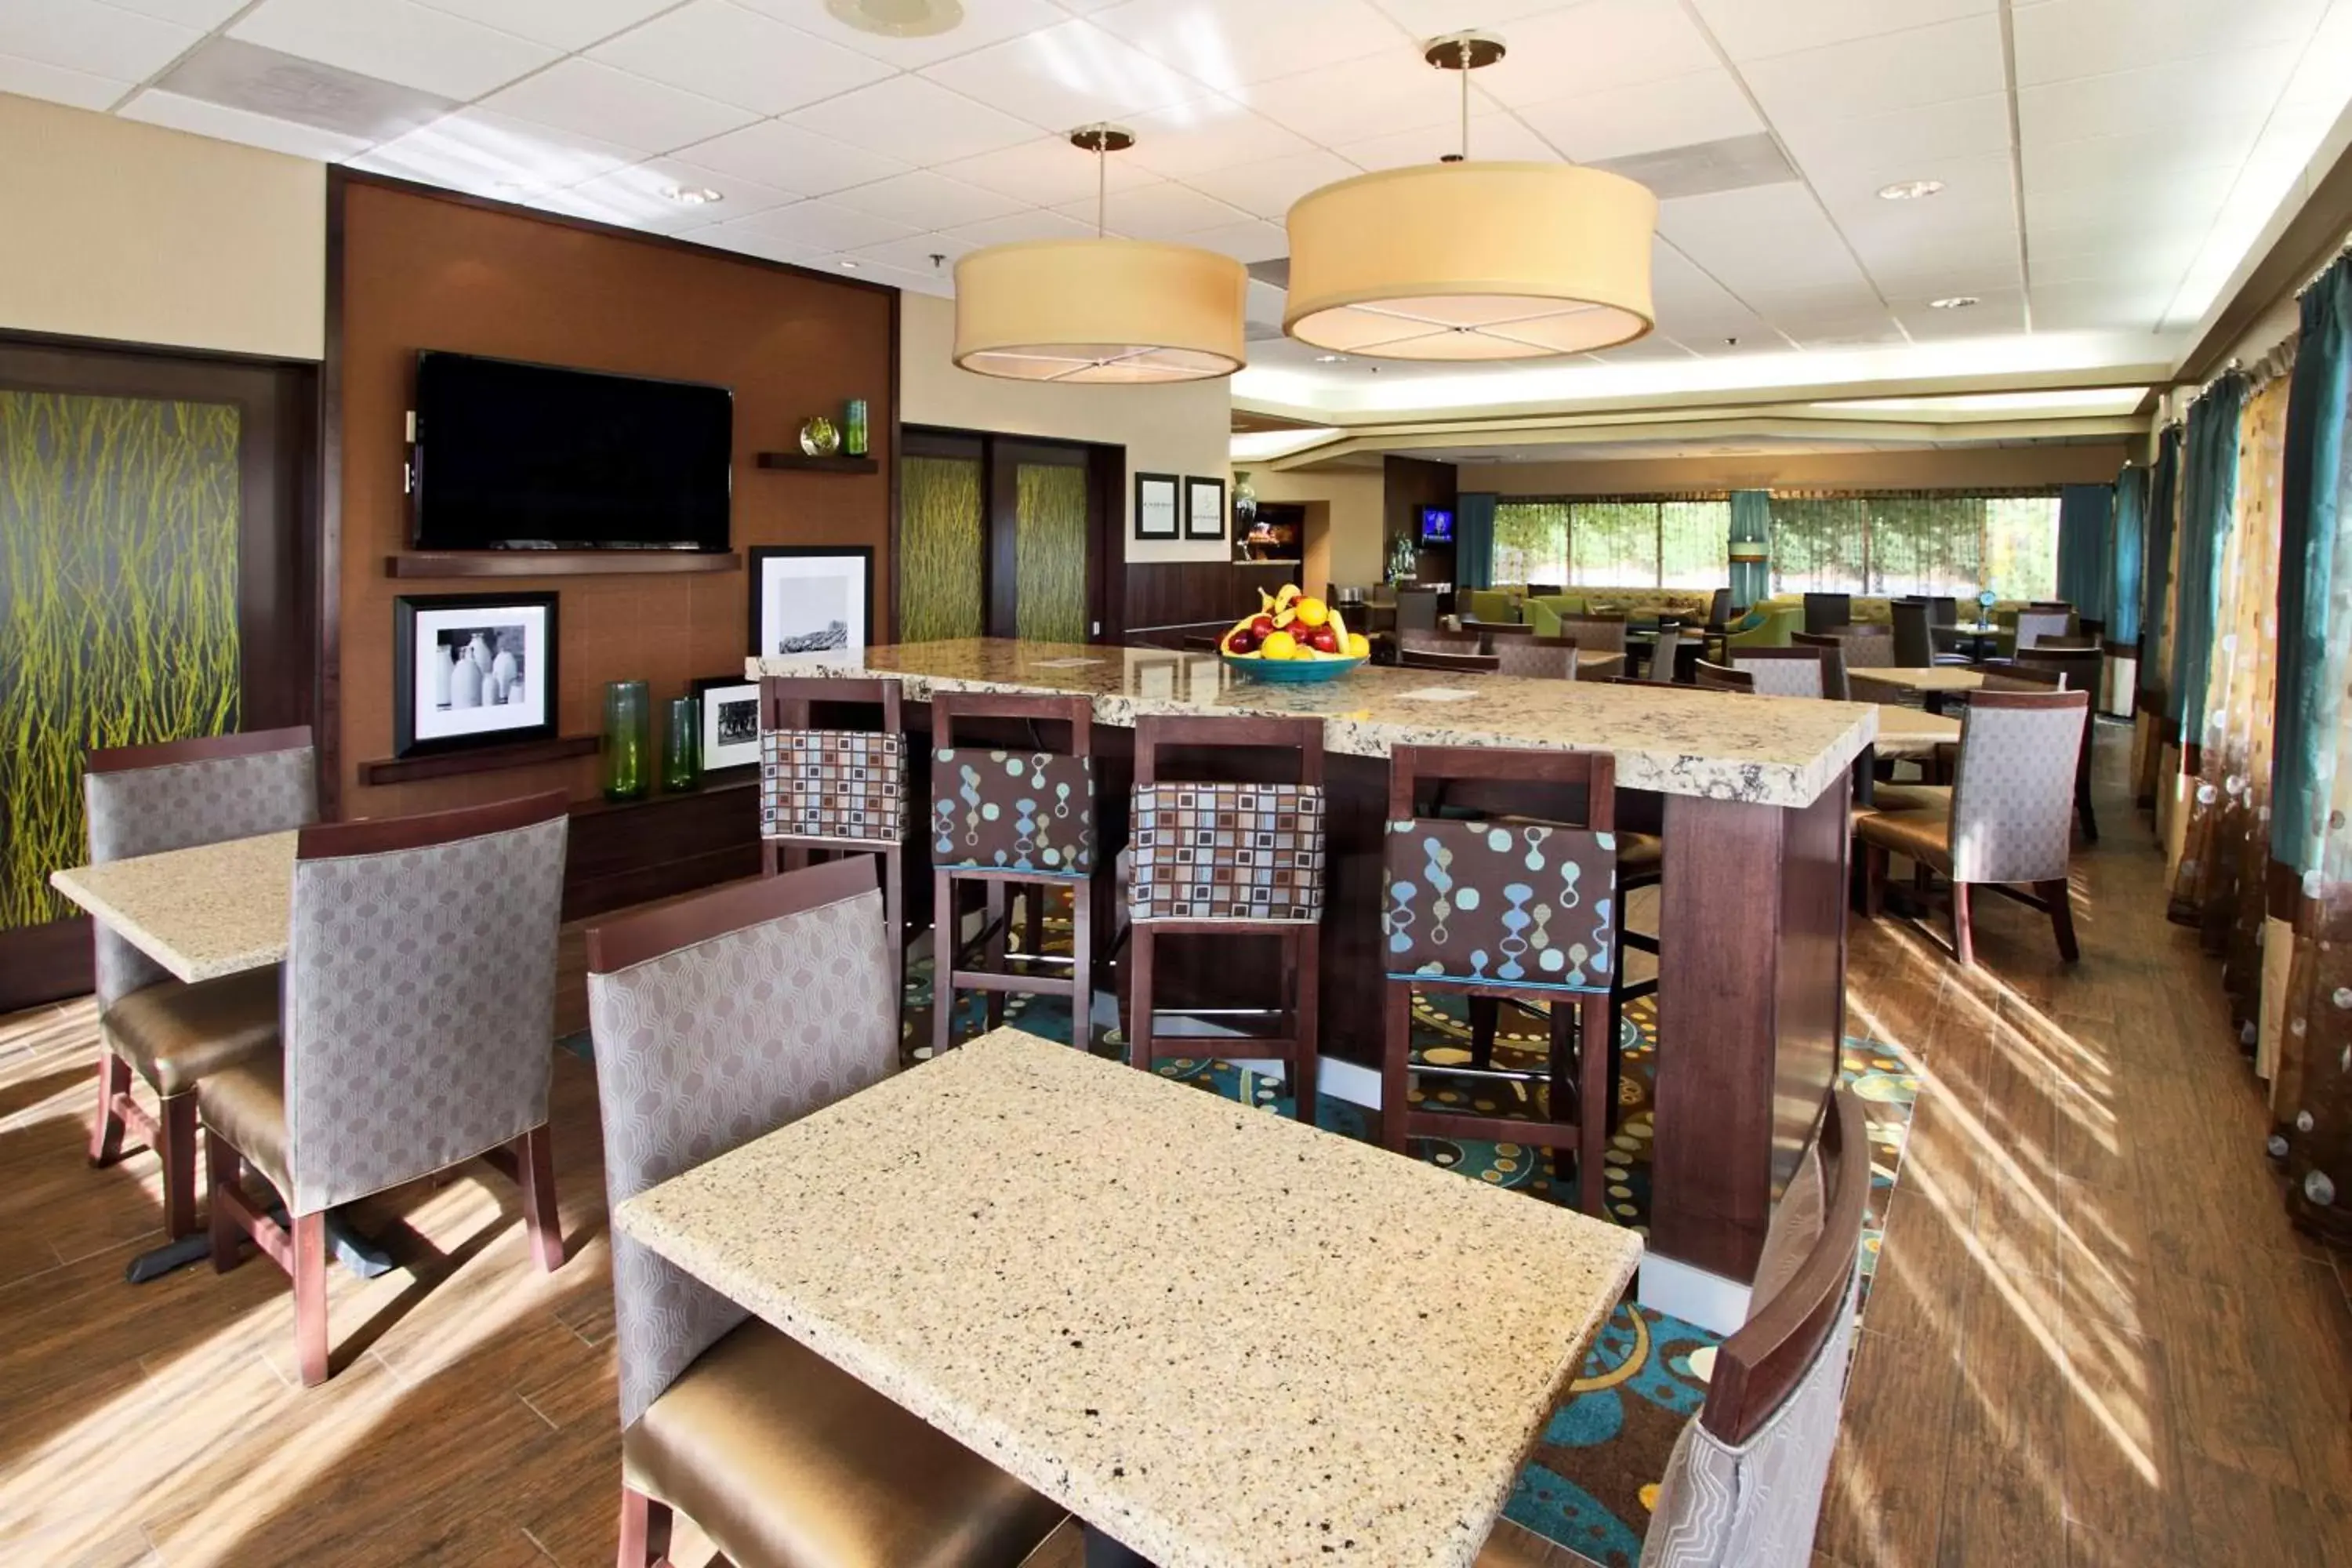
[(1912, 732), (1673, 740), (1934, 678), (1187, 1321), (203, 912)]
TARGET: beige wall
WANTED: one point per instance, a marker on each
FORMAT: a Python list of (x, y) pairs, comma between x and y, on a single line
[(115, 229), (1343, 520), (1180, 429), (1957, 469)]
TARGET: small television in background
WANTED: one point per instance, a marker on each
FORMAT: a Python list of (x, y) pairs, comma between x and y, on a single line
[(1437, 525), (511, 456)]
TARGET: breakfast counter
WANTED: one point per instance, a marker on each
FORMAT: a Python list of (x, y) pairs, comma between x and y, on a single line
[(1751, 793)]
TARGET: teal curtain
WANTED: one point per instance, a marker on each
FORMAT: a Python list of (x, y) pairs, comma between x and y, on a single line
[(2156, 563), (2312, 533), (2208, 511), (2085, 525), (2123, 562), (1473, 540), (1751, 522)]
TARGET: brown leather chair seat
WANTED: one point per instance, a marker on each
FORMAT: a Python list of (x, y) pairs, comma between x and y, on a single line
[(175, 1034), (245, 1103), (1913, 797), (786, 1461), (1922, 835)]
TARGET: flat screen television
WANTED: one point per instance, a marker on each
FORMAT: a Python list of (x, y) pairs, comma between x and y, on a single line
[(1437, 525), (511, 456)]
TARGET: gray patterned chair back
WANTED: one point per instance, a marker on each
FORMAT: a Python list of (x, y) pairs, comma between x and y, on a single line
[(2013, 790), (1540, 658), (1827, 612), (1781, 677), (772, 1000), (145, 800), (419, 994), (1662, 659), (1435, 641), (1597, 634), (1866, 647), (2033, 625)]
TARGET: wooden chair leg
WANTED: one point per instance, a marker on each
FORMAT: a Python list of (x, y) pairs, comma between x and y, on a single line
[(106, 1135), (1599, 1072), (947, 929), (1032, 918), (1486, 1018), (1566, 1100), (2057, 895), (1396, 1061), (894, 912), (1082, 964), (1964, 941), (994, 948), (175, 1137), (644, 1531), (535, 1163), (1138, 1007), (1306, 1006), (2083, 811), (309, 1240), (1873, 881), (223, 1165)]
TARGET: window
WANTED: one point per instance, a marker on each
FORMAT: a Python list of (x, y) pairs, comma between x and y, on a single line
[(2020, 547), (1892, 544), (1531, 541), (1613, 543)]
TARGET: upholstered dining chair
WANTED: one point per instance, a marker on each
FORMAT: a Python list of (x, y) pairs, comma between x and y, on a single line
[(420, 1019), (1743, 1485), (716, 1020), (826, 792), (2034, 625), (1472, 663), (1540, 658), (1826, 612), (1596, 633), (2009, 817), (1798, 670), (145, 800), (1663, 653), (1723, 678), (1435, 641), (1832, 646)]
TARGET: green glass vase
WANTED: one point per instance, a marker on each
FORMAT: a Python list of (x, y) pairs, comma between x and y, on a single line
[(682, 746), (628, 740)]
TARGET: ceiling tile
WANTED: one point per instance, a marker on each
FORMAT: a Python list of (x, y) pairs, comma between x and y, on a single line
[(985, 22), (238, 75), (1032, 225), (2215, 88), (641, 196), (819, 225), (2106, 305), (2155, 201), (1064, 76), (1161, 211), (1227, 44), (202, 15), (1045, 171), (1354, 102), (1431, 18), (396, 40), (914, 253), (739, 57), (2325, 76), (1597, 45), (1719, 232), (914, 121), (566, 23), (595, 99), (1832, 151), (489, 153), (1995, 316), (1252, 240), (1267, 188), (791, 159), (93, 40), (2059, 40), (1494, 135), (924, 200), (767, 247), (1850, 182), (1205, 134), (226, 124), (2121, 264), (1881, 75), (1758, 29), (940, 284), (1704, 106), (58, 84)]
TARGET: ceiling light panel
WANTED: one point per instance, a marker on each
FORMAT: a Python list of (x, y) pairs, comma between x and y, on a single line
[(1064, 75), (914, 120), (1226, 43), (739, 57), (262, 82), (226, 124), (90, 40), (791, 159), (397, 41)]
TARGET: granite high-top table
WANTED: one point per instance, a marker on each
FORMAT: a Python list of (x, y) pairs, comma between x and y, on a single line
[(1752, 794), (1224, 1340)]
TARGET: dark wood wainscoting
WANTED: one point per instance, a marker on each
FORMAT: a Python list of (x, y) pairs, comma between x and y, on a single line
[(1167, 599), (660, 846), (1407, 485)]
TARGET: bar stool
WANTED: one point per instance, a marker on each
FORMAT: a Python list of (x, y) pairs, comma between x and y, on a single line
[(1008, 819), (826, 792), (1227, 859), (1526, 911)]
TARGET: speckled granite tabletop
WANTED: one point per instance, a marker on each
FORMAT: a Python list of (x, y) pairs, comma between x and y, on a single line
[(215, 910), (1224, 1339), (1675, 740)]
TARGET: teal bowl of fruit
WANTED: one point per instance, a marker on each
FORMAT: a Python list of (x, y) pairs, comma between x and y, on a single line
[(1292, 671)]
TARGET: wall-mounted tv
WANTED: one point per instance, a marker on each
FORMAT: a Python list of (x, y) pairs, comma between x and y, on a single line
[(1437, 525), (511, 456)]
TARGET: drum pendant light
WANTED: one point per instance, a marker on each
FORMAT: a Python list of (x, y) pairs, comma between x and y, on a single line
[(1469, 260), (1099, 311)]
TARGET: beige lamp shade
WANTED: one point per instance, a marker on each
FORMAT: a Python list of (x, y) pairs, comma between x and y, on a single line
[(1094, 311), (1472, 261)]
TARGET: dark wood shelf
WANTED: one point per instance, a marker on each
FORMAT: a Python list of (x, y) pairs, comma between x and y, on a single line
[(557, 562), (838, 464), (479, 759)]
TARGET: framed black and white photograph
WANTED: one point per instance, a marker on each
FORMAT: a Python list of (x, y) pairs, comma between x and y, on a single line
[(811, 600), (472, 669), (1155, 507), (1204, 508), (730, 721)]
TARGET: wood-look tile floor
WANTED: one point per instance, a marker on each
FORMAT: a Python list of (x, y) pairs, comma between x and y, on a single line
[(2095, 1340)]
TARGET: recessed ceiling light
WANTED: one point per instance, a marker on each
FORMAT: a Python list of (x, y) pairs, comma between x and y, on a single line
[(1909, 190), (1954, 302), (898, 18), (1330, 358), (849, 267), (694, 195)]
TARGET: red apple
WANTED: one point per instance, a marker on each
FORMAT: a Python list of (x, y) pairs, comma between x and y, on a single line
[(1261, 627), (1244, 640), (1324, 638)]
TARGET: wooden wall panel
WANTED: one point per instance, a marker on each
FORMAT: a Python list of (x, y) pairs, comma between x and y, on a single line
[(1407, 485), (1164, 595), (424, 269)]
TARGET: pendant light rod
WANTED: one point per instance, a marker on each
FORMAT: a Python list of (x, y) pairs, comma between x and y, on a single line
[(1102, 139), (1462, 52)]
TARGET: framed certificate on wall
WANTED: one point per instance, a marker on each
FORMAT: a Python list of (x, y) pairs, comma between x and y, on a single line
[(1155, 506), (1204, 508)]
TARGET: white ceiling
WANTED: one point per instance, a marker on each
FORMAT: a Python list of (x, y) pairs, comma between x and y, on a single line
[(2106, 162)]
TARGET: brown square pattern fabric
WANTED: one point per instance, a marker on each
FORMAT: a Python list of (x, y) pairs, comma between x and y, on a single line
[(832, 784), (1517, 904), (1227, 852), (1013, 811)]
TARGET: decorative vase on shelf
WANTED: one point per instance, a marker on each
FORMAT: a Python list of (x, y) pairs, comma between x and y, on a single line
[(628, 740), (1245, 500), (819, 437), (505, 677), (853, 432), (682, 746)]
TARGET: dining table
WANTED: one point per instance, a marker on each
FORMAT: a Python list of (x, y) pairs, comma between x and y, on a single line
[(1914, 733), (1931, 684), (1221, 1338)]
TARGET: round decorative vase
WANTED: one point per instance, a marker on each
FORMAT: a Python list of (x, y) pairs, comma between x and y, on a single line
[(1244, 501), (682, 746), (628, 740), (505, 677), (819, 437), (466, 679), (443, 667)]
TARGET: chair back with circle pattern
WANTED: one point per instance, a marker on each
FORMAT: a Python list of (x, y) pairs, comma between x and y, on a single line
[(1014, 809)]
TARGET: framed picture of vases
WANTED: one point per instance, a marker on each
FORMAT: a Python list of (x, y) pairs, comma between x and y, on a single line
[(471, 670)]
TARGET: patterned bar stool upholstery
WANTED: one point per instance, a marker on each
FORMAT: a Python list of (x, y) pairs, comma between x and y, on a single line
[(1010, 819), (1509, 907), (1226, 859), (145, 800), (826, 792)]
